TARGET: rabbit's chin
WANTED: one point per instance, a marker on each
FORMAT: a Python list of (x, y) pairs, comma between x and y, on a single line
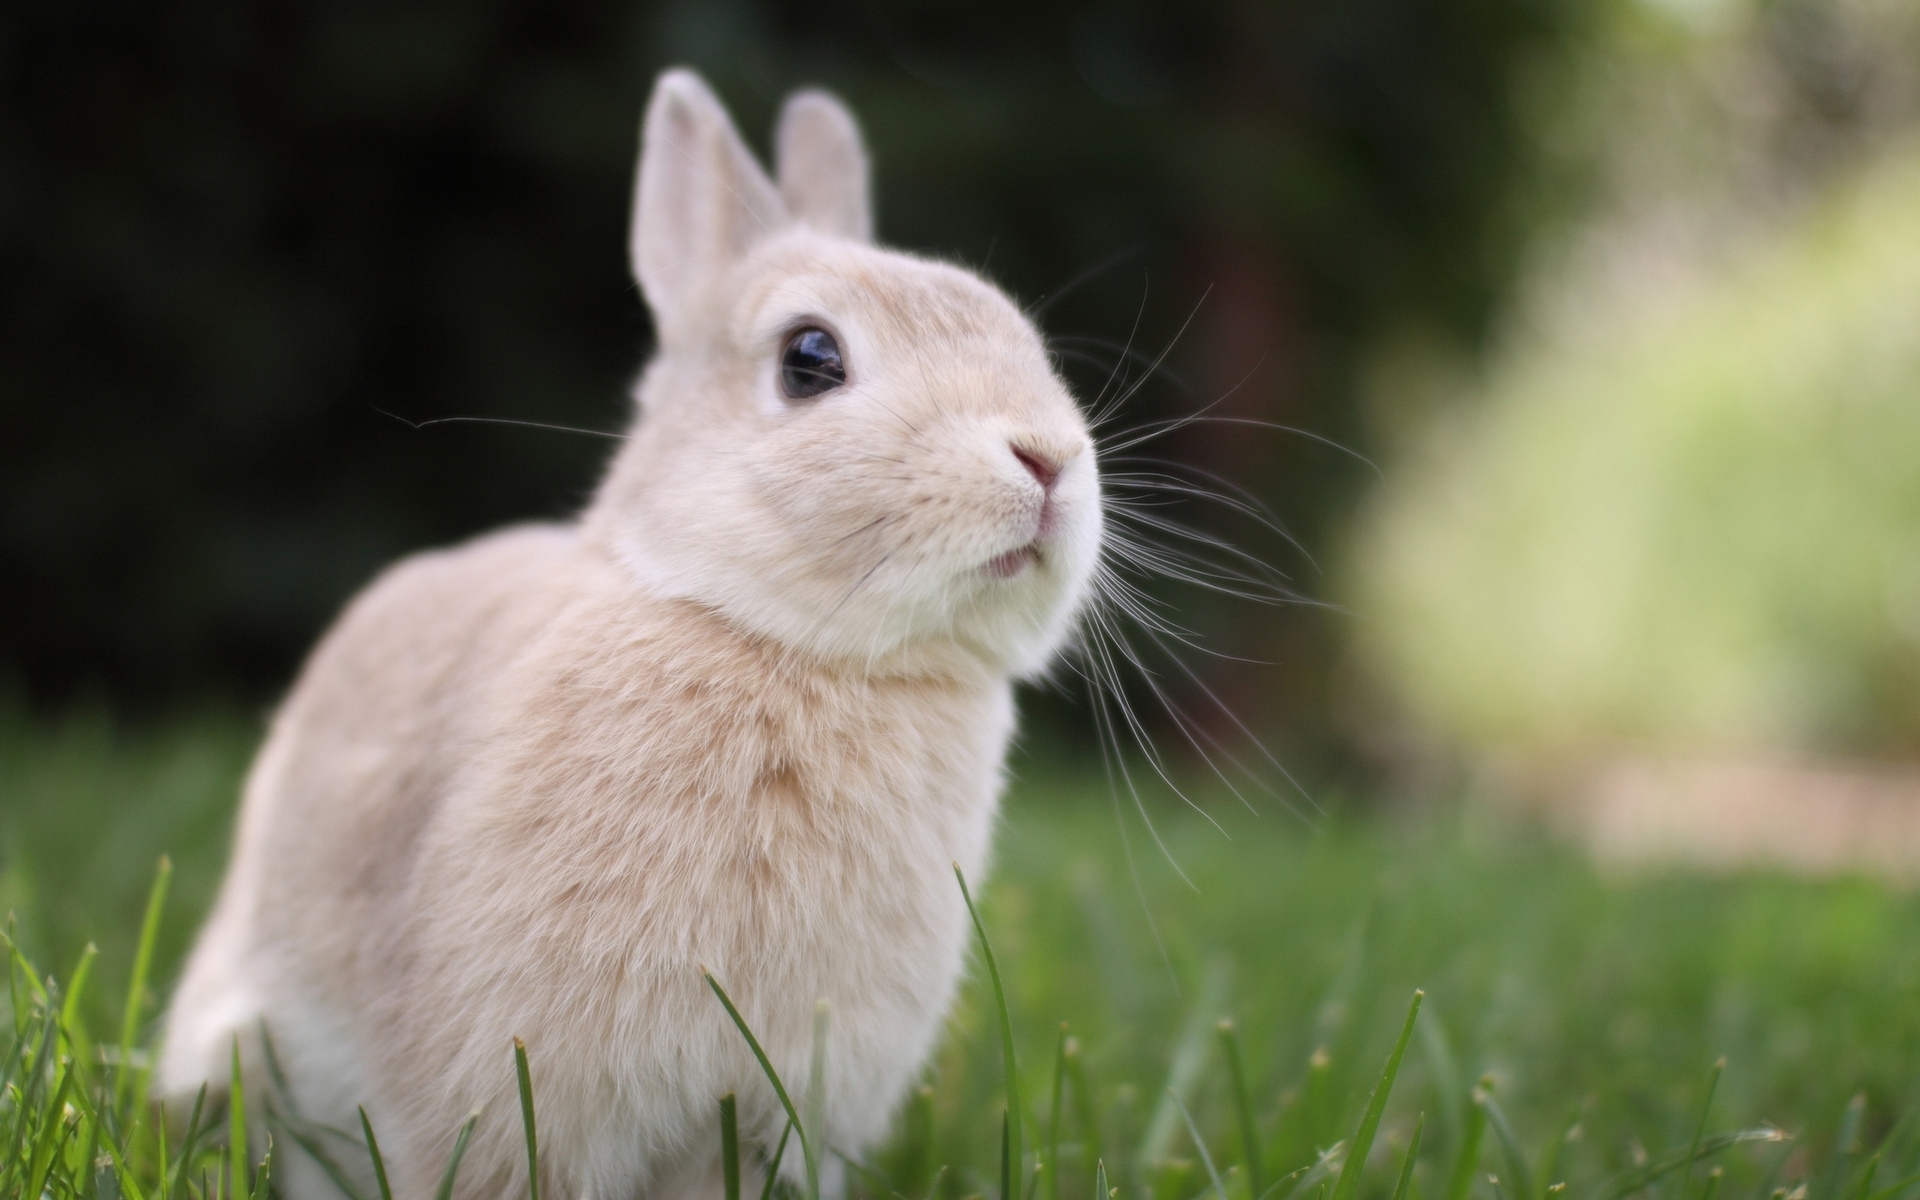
[(1012, 612)]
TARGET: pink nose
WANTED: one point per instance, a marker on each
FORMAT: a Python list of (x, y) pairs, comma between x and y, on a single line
[(1043, 469)]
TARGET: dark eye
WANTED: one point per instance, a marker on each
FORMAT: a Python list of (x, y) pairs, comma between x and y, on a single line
[(810, 364)]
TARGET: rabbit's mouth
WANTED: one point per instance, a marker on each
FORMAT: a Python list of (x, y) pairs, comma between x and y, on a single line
[(1013, 562)]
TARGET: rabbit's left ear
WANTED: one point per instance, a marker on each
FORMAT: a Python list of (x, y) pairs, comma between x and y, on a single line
[(822, 166), (701, 201)]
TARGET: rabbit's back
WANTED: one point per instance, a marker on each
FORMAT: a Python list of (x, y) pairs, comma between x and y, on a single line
[(357, 757), (391, 707)]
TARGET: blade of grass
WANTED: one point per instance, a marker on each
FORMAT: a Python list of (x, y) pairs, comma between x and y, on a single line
[(1461, 1182), (1015, 1108), (92, 1157), (26, 971), (525, 1079), (1083, 1109), (1519, 1176), (40, 1164), (1846, 1145), (814, 1132), (1700, 1127), (119, 1170), (1200, 1144), (185, 1159), (1550, 1165), (920, 1128), (237, 1128), (264, 1176), (1866, 1179), (1283, 1187), (65, 1177), (70, 1030), (1628, 1182), (1348, 1185), (137, 985), (12, 1062), (1053, 1115), (1243, 1107), (1100, 1189), (1312, 1173), (453, 1161), (1316, 1103), (1444, 1073), (876, 1180), (1190, 1056), (729, 1147), (26, 1105), (373, 1152), (16, 1010), (1006, 1164), (1894, 1189), (160, 1148), (773, 1166), (1405, 1183), (293, 1128), (773, 1077)]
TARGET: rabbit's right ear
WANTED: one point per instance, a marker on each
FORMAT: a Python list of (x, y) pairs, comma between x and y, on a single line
[(823, 166), (701, 200)]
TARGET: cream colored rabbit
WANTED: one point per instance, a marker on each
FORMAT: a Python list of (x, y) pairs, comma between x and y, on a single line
[(744, 714)]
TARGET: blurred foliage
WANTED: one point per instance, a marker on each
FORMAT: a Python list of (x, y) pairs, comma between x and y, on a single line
[(234, 236), (1683, 508)]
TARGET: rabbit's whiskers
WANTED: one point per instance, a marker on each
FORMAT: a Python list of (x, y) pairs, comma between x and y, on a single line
[(1129, 627), (469, 420)]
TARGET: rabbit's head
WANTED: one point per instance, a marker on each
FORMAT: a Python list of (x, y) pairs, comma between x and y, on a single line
[(856, 452)]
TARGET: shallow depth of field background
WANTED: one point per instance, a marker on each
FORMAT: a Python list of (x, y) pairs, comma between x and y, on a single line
[(1570, 347)]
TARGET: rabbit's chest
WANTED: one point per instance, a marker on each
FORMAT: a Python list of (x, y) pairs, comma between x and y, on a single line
[(842, 834), (799, 855), (793, 828)]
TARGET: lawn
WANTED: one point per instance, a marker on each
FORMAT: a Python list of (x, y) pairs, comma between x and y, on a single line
[(1569, 1032)]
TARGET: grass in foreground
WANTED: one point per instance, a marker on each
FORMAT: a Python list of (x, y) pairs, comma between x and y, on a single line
[(1565, 1046)]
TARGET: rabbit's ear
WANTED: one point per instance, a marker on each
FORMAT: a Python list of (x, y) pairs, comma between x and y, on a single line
[(701, 201), (823, 166)]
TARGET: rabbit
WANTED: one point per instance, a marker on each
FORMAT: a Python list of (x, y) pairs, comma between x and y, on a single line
[(744, 715)]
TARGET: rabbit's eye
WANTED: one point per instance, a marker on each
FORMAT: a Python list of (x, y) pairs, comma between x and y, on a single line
[(810, 364)]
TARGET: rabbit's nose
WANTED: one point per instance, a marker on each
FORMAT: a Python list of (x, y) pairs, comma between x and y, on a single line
[(1043, 469)]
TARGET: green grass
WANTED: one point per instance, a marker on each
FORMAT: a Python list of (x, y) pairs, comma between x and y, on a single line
[(1568, 1034)]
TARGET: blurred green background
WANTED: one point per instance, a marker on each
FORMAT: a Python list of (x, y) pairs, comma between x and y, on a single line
[(1619, 295), (1674, 509), (233, 235)]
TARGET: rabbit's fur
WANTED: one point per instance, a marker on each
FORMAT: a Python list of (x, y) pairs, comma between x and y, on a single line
[(743, 715)]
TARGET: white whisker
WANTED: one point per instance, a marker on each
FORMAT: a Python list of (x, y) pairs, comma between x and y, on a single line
[(1157, 429)]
